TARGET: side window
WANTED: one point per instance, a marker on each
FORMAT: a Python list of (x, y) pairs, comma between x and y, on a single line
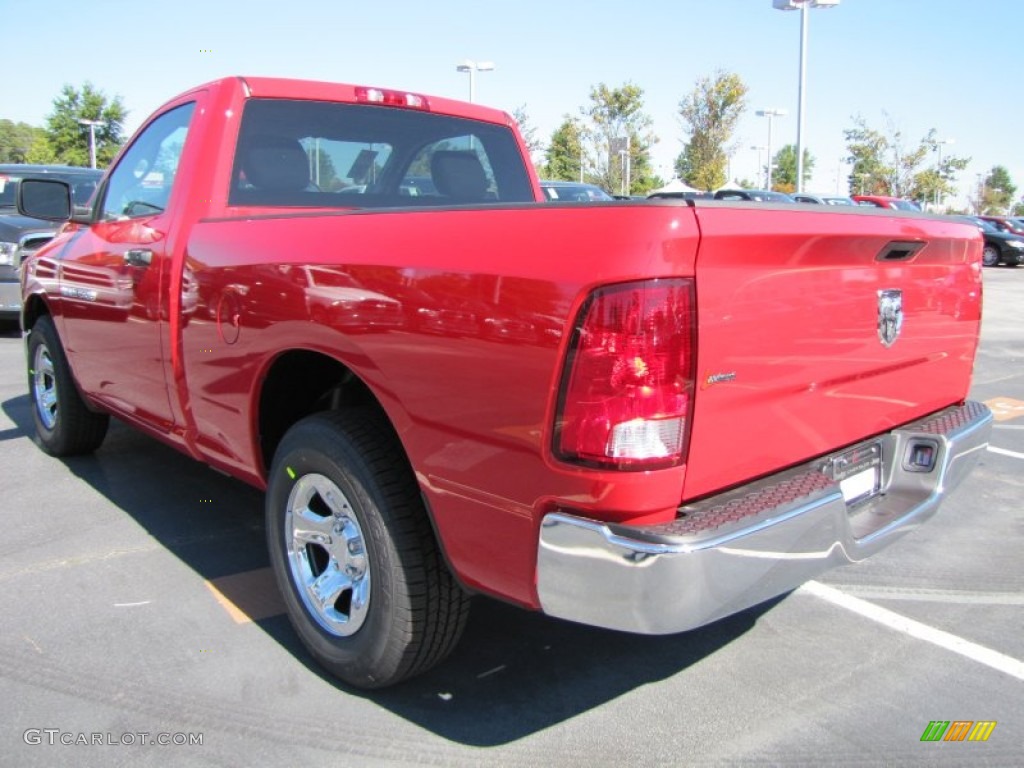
[(141, 183)]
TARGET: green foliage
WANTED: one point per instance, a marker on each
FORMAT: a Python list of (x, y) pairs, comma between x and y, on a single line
[(67, 141), (41, 153), (16, 141), (323, 173), (527, 130), (935, 183), (709, 115), (563, 160), (995, 194), (884, 165), (784, 170), (615, 114)]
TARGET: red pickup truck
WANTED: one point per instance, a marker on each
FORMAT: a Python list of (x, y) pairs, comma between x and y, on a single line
[(638, 415)]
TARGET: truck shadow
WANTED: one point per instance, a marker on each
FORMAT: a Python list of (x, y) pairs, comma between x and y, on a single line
[(514, 673)]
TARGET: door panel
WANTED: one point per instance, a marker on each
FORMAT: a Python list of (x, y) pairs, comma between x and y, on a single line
[(114, 279)]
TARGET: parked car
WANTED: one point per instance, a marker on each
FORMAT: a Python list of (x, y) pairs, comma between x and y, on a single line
[(1000, 247), (884, 201), (573, 191), (1006, 224), (809, 197), (20, 235), (689, 195), (760, 195)]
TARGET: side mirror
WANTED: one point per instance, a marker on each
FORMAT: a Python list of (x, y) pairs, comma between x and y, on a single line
[(47, 199)]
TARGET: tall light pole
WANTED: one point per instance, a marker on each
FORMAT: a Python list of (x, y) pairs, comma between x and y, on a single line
[(802, 6), (938, 169), (770, 113), (92, 138), (759, 149), (467, 65)]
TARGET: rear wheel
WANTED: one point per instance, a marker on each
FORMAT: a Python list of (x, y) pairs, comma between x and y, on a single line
[(990, 256), (64, 424), (354, 554)]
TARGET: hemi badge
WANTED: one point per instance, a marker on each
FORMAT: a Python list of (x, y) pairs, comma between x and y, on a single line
[(717, 378), (78, 293)]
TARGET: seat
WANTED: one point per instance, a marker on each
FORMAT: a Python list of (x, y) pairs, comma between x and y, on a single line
[(275, 163), (459, 175)]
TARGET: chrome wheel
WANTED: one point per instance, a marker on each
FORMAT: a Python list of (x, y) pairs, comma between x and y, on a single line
[(327, 555), (44, 387)]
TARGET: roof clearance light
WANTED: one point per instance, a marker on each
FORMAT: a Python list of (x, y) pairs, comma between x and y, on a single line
[(391, 98), (625, 398)]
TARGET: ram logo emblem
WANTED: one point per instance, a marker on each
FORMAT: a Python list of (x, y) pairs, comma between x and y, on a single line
[(890, 316)]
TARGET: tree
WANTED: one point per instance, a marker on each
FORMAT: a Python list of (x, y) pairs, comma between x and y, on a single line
[(528, 131), (784, 172), (615, 114), (883, 165), (995, 193), (564, 159), (934, 183), (709, 116), (67, 141), (16, 140)]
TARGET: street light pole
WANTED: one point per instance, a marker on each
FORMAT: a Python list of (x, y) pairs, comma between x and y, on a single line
[(938, 169), (770, 113), (92, 138), (759, 150), (802, 6), (472, 67)]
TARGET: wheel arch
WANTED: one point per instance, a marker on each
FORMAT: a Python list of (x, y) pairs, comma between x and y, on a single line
[(35, 306), (301, 382)]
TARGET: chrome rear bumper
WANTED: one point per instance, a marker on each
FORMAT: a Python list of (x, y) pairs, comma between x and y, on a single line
[(740, 548)]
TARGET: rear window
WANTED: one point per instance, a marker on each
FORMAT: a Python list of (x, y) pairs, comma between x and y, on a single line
[(311, 154)]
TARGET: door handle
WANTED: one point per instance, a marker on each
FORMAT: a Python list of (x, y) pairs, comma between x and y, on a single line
[(138, 257)]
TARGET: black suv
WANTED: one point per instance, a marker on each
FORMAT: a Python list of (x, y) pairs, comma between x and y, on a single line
[(20, 235)]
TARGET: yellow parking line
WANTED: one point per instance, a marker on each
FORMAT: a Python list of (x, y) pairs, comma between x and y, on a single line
[(1005, 408), (248, 596)]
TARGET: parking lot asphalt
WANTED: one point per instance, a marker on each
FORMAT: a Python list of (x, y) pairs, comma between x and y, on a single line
[(137, 608)]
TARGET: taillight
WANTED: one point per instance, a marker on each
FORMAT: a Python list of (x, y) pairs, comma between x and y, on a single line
[(626, 392), (391, 98)]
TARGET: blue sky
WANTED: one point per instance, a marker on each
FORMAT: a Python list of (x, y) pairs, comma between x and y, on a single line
[(952, 65)]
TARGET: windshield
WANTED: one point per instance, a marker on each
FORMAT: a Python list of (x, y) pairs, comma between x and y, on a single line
[(580, 193), (904, 205)]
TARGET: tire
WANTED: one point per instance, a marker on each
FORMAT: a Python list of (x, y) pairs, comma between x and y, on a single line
[(990, 256), (65, 426), (355, 557)]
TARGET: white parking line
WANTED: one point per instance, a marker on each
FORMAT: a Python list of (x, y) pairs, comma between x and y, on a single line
[(922, 595), (1004, 452), (979, 653)]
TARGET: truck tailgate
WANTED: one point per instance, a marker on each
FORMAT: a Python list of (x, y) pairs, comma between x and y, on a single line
[(817, 331)]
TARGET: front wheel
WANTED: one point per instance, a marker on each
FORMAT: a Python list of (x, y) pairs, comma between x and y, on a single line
[(354, 554), (64, 424), (990, 256)]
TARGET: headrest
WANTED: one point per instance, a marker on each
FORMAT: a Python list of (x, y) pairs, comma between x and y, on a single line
[(458, 174), (275, 162)]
